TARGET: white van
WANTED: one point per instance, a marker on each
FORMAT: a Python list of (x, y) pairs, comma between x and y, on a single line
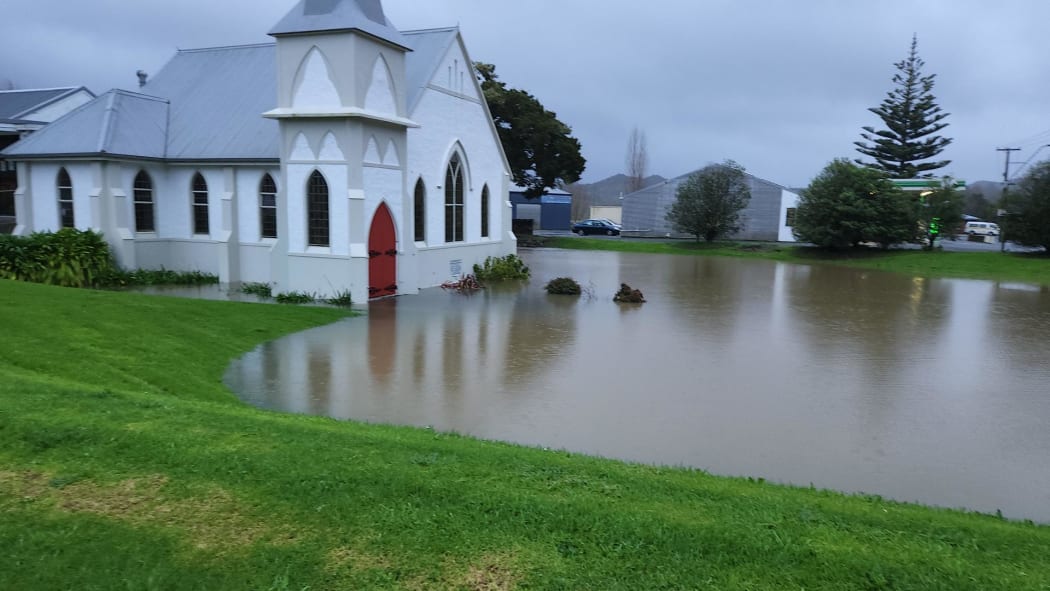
[(982, 229)]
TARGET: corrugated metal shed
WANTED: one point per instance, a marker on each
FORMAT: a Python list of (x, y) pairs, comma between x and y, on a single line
[(315, 16), (117, 123)]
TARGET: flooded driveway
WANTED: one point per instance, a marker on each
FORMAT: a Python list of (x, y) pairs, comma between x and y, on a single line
[(936, 391)]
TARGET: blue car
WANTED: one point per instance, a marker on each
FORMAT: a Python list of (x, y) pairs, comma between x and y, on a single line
[(599, 226)]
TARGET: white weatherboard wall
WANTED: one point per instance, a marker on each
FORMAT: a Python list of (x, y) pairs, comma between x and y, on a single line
[(452, 117), (788, 200)]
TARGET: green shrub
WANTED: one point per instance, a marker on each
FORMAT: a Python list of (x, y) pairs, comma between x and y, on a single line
[(341, 299), (502, 269), (263, 290), (160, 276), (68, 258), (563, 286), (296, 297)]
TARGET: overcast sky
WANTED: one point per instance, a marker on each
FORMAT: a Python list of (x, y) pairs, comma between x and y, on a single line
[(782, 87)]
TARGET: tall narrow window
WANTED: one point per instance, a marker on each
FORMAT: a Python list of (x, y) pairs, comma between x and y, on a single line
[(65, 200), (454, 200), (143, 197), (485, 212), (268, 207), (317, 210), (789, 220), (421, 211), (200, 204)]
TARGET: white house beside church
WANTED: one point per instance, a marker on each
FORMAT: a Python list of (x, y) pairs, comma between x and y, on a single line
[(347, 155)]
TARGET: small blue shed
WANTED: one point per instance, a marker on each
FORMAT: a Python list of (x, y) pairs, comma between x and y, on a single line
[(552, 211)]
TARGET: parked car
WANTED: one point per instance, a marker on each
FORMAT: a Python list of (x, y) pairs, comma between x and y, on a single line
[(599, 226), (981, 229)]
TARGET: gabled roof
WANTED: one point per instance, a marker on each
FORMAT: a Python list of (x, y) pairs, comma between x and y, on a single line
[(321, 16), (118, 123), (218, 96), (429, 47), (16, 104)]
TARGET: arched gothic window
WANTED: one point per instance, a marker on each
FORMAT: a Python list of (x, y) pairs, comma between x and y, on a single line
[(317, 210), (485, 212), (267, 207), (142, 194), (454, 185), (200, 205), (421, 211), (65, 199)]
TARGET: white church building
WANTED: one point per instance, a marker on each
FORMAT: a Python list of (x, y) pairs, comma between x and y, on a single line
[(346, 156)]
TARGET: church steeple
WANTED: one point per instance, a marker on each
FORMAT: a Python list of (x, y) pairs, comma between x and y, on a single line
[(326, 16)]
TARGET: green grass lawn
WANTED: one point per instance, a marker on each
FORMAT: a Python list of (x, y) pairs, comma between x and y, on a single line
[(996, 266), (126, 464)]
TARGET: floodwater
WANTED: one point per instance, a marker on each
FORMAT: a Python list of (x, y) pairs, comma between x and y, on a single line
[(935, 391)]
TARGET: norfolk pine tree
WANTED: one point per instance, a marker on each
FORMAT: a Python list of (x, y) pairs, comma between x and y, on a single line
[(912, 118), (709, 202)]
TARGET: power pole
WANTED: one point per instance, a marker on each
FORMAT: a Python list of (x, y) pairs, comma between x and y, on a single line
[(1002, 202)]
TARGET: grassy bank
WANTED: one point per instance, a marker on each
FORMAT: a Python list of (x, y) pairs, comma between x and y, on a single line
[(996, 266), (125, 464)]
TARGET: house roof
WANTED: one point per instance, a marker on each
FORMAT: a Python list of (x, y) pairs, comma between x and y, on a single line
[(429, 47), (15, 105), (117, 123), (205, 104), (318, 16)]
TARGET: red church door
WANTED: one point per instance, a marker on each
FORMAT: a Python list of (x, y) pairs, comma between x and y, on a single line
[(382, 255)]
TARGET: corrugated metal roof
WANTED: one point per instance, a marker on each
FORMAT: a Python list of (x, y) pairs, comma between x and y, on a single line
[(428, 49), (14, 103), (117, 123), (218, 96), (314, 16)]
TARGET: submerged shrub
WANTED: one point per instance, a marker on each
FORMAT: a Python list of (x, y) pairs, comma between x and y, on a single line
[(341, 298), (502, 269), (563, 286), (465, 284), (262, 290), (296, 297), (162, 276), (627, 295)]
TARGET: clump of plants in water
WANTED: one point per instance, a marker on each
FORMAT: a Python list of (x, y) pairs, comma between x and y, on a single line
[(163, 277), (465, 284), (627, 295), (341, 299), (505, 268), (563, 286), (262, 290), (296, 297)]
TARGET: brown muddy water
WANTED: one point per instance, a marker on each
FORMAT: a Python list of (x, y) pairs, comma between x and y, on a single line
[(935, 391)]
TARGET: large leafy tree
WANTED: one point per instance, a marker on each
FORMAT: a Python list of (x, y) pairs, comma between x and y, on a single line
[(1029, 208), (540, 148), (847, 205), (709, 202), (912, 119)]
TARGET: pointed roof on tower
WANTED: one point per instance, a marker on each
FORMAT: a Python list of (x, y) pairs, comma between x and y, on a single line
[(325, 16)]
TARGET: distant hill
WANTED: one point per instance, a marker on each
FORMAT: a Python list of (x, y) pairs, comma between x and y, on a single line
[(607, 192)]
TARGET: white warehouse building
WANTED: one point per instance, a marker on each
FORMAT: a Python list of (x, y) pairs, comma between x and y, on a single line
[(346, 156)]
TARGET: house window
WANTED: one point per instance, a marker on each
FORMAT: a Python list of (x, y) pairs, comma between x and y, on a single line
[(485, 212), (65, 200), (421, 211), (790, 220), (268, 207), (142, 194), (200, 205), (454, 182), (317, 210)]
